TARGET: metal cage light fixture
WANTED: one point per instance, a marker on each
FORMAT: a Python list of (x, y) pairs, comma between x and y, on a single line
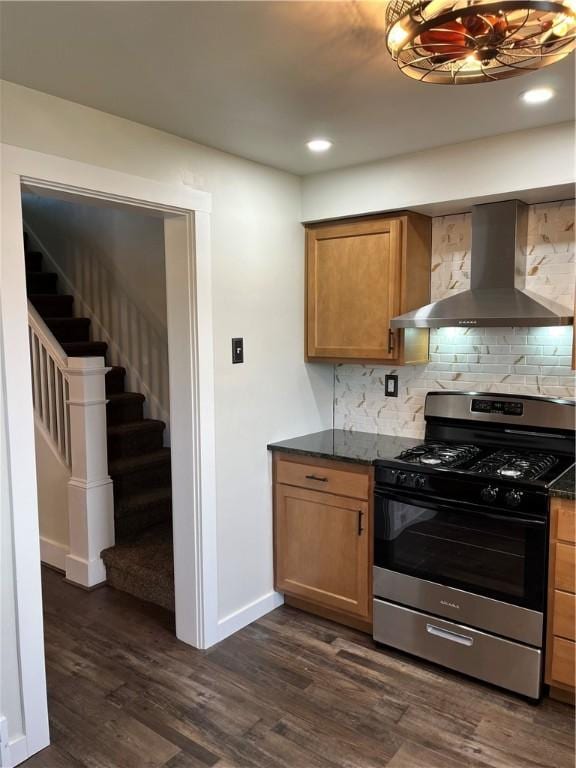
[(475, 41)]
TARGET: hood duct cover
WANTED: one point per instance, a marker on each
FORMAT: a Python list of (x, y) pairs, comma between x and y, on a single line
[(497, 294)]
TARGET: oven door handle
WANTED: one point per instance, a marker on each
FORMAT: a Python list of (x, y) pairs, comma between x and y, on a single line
[(446, 634), (448, 505)]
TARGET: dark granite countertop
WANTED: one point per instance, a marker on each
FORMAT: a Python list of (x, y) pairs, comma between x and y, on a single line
[(564, 486), (357, 447)]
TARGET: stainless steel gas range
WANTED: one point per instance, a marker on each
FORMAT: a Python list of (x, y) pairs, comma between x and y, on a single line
[(461, 535)]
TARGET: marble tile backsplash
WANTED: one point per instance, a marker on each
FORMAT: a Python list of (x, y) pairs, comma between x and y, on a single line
[(532, 361)]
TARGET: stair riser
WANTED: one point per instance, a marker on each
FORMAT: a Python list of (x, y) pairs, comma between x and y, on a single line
[(114, 382), (33, 261), (127, 528), (159, 592), (77, 329), (41, 282), (147, 479), (124, 413), (135, 444), (53, 306)]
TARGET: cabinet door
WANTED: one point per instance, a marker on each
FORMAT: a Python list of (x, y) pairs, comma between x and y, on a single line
[(322, 549), (353, 289)]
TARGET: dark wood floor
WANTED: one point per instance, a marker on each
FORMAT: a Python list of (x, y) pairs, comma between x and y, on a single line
[(290, 690)]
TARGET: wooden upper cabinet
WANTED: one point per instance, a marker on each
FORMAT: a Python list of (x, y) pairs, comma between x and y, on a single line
[(360, 273)]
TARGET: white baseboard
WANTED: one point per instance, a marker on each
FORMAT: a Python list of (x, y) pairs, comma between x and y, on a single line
[(12, 752), (249, 613), (18, 750), (87, 573), (53, 553)]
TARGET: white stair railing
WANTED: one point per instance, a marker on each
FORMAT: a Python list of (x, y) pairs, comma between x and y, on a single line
[(69, 395), (50, 391)]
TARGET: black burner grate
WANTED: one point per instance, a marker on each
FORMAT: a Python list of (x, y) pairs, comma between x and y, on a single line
[(514, 465), (433, 454)]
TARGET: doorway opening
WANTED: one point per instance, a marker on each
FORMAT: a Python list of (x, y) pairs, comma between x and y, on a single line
[(96, 286)]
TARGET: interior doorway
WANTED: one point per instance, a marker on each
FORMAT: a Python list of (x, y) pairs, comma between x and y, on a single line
[(185, 217), (96, 285)]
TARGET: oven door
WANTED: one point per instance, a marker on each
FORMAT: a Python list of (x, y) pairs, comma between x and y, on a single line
[(490, 553)]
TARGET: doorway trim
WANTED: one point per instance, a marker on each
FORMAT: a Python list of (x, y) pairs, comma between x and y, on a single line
[(190, 340)]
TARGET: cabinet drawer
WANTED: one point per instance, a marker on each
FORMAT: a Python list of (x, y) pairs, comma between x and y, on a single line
[(562, 670), (564, 577), (564, 615), (566, 516), (337, 481)]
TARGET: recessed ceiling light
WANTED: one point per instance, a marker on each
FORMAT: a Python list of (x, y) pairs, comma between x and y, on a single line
[(537, 95), (319, 145)]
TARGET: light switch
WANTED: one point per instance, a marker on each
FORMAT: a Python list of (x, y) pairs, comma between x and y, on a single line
[(238, 350)]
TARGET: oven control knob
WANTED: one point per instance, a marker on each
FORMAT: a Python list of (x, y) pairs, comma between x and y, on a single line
[(419, 482), (401, 478), (489, 494), (513, 498)]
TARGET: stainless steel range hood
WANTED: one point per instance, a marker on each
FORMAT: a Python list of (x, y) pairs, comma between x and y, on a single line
[(497, 294)]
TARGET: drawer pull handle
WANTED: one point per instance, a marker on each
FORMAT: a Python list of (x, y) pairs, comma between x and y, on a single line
[(316, 477), (360, 519), (445, 634)]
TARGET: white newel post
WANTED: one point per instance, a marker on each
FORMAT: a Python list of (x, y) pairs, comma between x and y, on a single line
[(90, 497)]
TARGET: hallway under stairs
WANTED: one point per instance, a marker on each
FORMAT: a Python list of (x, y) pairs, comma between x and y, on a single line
[(141, 562)]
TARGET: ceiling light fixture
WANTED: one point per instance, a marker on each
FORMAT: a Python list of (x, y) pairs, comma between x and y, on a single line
[(319, 145), (475, 41), (537, 95)]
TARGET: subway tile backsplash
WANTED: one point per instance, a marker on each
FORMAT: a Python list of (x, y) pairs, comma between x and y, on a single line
[(533, 361)]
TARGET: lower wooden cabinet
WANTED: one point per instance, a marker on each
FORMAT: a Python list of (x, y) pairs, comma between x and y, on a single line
[(323, 554), (560, 645)]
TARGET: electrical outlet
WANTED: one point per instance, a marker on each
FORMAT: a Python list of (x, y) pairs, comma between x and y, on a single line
[(237, 350), (391, 385)]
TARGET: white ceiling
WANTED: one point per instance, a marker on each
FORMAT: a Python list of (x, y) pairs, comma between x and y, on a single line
[(260, 78)]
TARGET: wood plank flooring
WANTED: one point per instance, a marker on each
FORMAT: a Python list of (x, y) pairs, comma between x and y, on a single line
[(291, 691)]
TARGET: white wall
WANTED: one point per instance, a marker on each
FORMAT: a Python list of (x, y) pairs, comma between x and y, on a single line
[(10, 693), (497, 166), (258, 274), (112, 261), (52, 476)]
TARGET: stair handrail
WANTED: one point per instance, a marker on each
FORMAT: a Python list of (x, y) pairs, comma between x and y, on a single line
[(69, 395)]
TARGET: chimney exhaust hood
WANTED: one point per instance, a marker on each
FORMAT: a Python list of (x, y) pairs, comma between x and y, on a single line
[(497, 294)]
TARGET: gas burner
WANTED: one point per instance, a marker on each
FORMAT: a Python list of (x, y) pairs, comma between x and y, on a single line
[(439, 454), (514, 465)]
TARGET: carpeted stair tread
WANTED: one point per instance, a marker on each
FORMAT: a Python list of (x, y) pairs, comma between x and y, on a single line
[(141, 501), (33, 261), (85, 348), (67, 329), (144, 568), (41, 282), (136, 513), (138, 463), (134, 438), (124, 407), (115, 380), (53, 304), (137, 426)]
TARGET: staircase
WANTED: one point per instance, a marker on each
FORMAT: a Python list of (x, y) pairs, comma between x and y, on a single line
[(141, 561)]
